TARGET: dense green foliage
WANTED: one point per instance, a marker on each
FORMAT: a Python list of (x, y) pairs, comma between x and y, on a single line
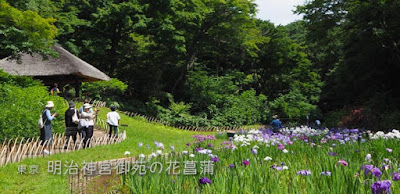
[(24, 32), (220, 101), (21, 101), (355, 45), (213, 57), (108, 91)]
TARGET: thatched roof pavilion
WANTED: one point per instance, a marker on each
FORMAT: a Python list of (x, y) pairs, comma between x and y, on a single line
[(66, 69)]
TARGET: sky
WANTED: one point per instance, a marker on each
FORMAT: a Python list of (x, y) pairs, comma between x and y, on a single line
[(278, 11)]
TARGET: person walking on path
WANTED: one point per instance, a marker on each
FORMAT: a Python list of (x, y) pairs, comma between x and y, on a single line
[(46, 134), (87, 123), (276, 123), (113, 121), (71, 125)]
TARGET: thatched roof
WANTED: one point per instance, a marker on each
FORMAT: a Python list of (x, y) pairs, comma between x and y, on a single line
[(65, 65)]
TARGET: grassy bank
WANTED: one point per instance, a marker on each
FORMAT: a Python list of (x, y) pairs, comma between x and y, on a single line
[(138, 131)]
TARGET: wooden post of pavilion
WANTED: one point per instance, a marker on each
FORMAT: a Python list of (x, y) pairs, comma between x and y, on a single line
[(78, 86)]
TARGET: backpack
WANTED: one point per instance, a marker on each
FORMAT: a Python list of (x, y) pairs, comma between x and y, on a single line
[(40, 122)]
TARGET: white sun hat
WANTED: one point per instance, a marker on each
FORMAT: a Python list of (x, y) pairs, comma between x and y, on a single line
[(49, 104), (87, 106)]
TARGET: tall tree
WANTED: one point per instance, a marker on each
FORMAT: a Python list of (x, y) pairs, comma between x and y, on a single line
[(209, 22), (24, 32)]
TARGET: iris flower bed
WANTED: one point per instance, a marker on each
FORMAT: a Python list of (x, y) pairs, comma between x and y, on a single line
[(297, 160)]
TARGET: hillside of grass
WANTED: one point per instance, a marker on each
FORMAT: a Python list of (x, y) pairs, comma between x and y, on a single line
[(138, 130)]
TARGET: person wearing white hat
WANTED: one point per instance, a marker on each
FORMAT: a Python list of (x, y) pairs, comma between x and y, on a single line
[(86, 101), (88, 124), (45, 132)]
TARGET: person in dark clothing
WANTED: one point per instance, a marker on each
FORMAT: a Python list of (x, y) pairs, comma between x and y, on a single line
[(276, 123), (71, 126)]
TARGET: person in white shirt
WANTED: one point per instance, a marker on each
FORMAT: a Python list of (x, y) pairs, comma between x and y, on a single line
[(87, 123), (113, 120)]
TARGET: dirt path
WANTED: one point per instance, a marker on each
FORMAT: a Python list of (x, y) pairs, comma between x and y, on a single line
[(99, 133)]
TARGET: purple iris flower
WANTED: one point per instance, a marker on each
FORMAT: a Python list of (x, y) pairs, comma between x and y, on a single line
[(281, 147), (342, 162), (204, 180), (396, 176), (172, 147), (332, 153), (326, 173), (367, 168), (210, 145), (253, 151), (245, 162), (387, 160), (389, 150), (385, 167), (376, 172), (140, 144), (231, 166), (380, 187), (353, 131), (304, 172), (215, 159)]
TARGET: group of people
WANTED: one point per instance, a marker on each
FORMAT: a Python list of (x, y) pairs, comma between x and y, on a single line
[(77, 122)]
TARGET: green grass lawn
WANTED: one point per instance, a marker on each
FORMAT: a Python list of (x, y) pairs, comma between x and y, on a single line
[(138, 130)]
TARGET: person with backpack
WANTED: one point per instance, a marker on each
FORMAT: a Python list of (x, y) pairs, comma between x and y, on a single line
[(113, 121), (46, 134), (71, 123)]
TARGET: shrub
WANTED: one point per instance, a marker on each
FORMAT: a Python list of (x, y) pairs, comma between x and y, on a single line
[(21, 101), (108, 91), (292, 105)]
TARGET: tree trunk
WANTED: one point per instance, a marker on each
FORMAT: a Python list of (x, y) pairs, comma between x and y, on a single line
[(113, 51), (189, 65)]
